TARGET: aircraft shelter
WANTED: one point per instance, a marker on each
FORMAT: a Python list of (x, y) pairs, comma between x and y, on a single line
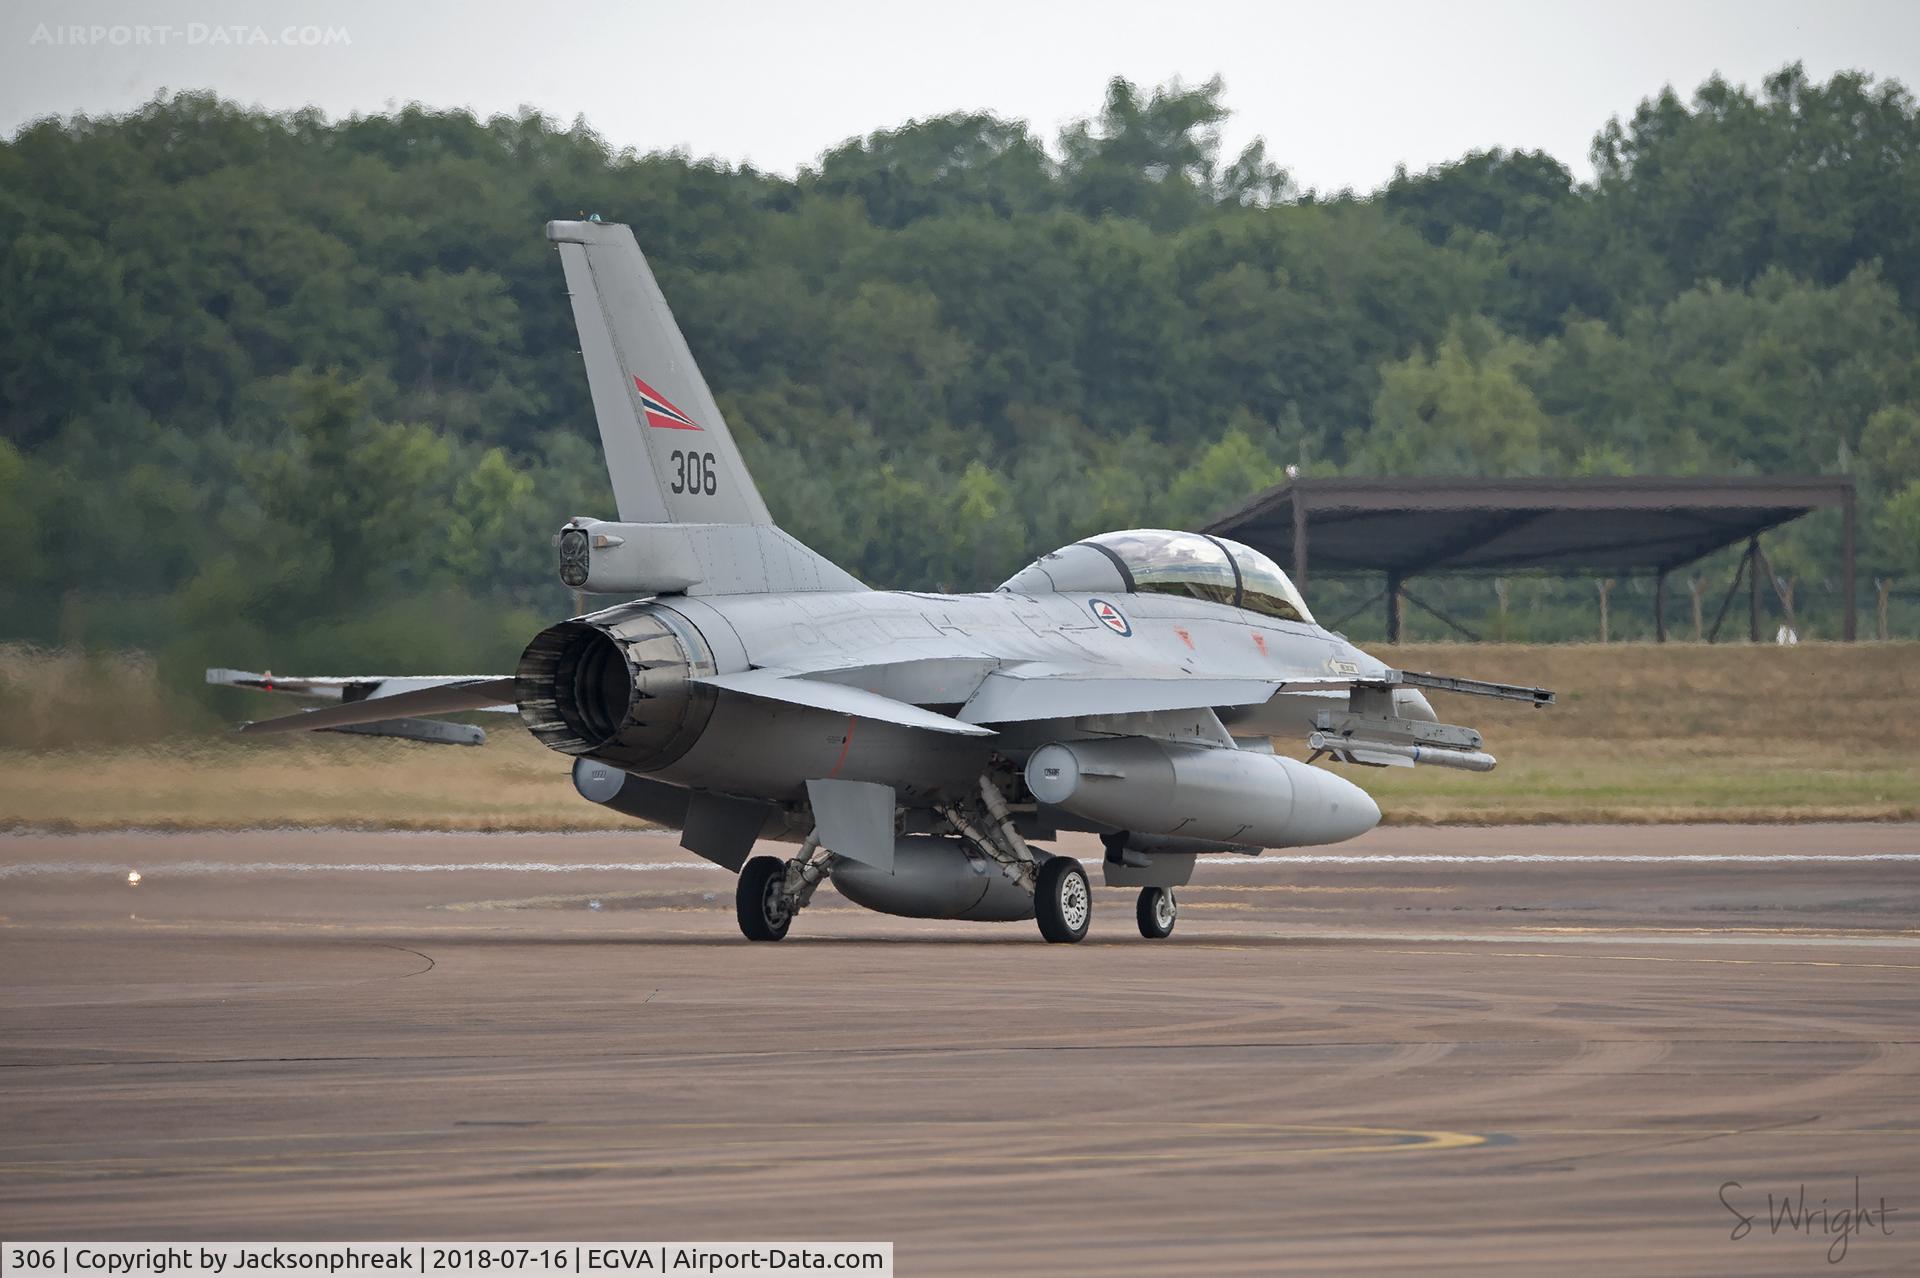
[(1409, 528)]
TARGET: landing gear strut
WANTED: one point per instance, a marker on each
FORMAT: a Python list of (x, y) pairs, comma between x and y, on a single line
[(771, 891), (1157, 912), (1062, 898)]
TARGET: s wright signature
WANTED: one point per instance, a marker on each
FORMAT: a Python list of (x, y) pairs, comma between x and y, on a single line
[(1792, 1214)]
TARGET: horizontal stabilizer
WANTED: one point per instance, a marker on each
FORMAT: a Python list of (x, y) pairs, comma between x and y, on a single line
[(782, 685), (471, 694), (431, 731), (344, 687)]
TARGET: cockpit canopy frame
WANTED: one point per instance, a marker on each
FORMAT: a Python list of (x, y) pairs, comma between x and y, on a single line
[(1168, 562)]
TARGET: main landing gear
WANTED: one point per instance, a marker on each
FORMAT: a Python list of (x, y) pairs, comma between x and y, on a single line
[(1062, 900), (760, 899), (1156, 911), (770, 891), (1062, 897)]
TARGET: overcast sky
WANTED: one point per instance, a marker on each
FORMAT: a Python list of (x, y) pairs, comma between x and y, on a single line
[(1342, 93)]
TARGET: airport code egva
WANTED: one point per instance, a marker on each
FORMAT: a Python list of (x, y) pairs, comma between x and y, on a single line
[(447, 1260)]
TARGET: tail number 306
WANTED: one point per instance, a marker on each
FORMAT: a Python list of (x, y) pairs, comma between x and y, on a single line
[(694, 473)]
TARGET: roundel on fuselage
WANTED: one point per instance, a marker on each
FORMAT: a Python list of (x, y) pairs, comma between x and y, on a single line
[(1110, 617)]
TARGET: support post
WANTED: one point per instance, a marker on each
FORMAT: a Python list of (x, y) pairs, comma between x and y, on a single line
[(1396, 604), (1783, 591), (1660, 607), (1753, 589), (1884, 586), (1733, 588), (1299, 539), (1605, 586), (1439, 616), (1698, 586), (1846, 567)]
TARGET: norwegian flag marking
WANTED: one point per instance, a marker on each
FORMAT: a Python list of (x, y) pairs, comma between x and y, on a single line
[(1110, 617), (659, 410)]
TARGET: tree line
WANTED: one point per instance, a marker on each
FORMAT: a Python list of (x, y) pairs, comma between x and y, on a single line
[(280, 389)]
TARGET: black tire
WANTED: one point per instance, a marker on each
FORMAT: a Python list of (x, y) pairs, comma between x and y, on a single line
[(1157, 912), (757, 901), (1062, 900)]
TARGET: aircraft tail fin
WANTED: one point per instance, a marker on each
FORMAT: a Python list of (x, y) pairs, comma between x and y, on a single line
[(671, 457), (668, 450)]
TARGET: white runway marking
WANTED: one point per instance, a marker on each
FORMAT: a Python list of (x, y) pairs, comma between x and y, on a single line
[(1625, 936)]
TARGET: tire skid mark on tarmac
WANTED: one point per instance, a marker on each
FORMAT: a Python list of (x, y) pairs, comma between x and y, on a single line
[(1672, 1140), (862, 1154), (421, 971), (720, 1059)]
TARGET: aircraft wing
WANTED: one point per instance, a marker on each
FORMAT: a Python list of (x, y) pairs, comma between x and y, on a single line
[(1416, 679), (773, 684), (1022, 693), (1019, 694)]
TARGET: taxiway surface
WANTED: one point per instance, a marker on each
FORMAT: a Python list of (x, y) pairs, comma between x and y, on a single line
[(1415, 1052)]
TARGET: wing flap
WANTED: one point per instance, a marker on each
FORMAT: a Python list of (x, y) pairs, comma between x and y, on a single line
[(1011, 696), (772, 684)]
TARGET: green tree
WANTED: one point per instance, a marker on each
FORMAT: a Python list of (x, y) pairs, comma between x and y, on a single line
[(1812, 179), (938, 167), (1465, 410), (943, 349), (1153, 157), (1509, 195), (351, 508), (1221, 476), (1890, 454)]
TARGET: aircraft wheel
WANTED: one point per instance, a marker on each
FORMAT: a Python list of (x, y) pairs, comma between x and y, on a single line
[(1156, 911), (760, 899), (1062, 900)]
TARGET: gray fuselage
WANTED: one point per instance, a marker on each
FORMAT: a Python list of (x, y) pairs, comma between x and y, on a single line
[(769, 750)]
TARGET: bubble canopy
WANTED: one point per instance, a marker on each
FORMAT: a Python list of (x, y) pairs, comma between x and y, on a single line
[(1165, 562)]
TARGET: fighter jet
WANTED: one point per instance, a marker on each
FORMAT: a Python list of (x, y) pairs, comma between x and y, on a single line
[(919, 749)]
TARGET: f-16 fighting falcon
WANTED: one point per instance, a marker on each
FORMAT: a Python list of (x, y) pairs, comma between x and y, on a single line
[(917, 748)]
